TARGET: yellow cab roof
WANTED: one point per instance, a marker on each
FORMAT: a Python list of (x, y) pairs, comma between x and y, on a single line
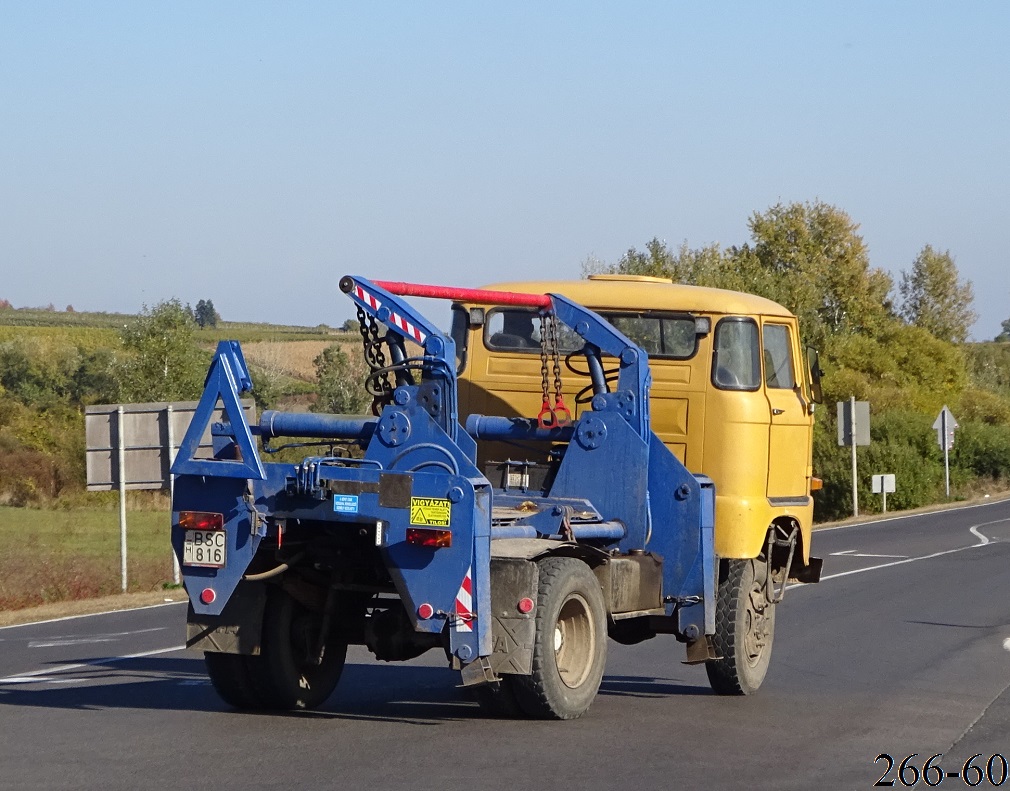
[(638, 292)]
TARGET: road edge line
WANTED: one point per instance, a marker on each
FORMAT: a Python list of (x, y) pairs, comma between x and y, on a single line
[(93, 614)]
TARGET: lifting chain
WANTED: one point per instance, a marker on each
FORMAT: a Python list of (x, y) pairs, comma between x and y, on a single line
[(557, 415), (562, 415), (378, 385)]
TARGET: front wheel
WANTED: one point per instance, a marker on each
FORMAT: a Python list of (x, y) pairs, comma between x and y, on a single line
[(290, 673), (570, 647), (744, 628)]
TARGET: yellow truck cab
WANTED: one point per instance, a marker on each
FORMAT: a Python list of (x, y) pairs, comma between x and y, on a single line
[(732, 397)]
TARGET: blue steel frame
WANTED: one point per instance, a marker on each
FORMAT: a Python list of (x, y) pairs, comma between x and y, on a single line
[(614, 467)]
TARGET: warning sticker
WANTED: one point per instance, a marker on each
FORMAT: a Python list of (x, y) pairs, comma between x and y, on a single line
[(430, 511)]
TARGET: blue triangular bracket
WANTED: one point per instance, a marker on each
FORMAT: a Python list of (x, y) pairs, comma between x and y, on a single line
[(228, 377)]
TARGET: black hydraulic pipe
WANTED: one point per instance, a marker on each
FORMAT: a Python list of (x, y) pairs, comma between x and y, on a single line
[(596, 373)]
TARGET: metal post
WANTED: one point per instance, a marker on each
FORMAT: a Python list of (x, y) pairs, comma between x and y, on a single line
[(852, 438), (121, 455), (946, 450), (883, 495), (176, 571)]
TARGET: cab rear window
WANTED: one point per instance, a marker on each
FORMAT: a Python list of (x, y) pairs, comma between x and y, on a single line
[(672, 336)]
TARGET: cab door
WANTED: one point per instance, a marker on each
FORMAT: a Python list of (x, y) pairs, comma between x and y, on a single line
[(789, 434)]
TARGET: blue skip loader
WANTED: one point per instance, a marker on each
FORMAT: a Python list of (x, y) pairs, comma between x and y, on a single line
[(396, 540)]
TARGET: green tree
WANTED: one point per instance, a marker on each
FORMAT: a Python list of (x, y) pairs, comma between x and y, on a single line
[(812, 260), (808, 257), (339, 386), (163, 362), (205, 315), (1004, 336), (935, 298)]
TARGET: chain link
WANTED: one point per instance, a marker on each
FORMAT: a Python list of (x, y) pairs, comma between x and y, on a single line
[(382, 388), (559, 414), (562, 415)]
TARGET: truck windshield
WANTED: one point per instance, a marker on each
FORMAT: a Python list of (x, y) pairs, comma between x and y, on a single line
[(736, 363), (670, 336)]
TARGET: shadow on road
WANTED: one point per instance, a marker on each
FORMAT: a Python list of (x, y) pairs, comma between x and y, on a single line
[(404, 693)]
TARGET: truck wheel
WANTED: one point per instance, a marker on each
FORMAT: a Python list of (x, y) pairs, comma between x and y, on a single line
[(744, 628), (287, 675), (229, 674), (570, 647)]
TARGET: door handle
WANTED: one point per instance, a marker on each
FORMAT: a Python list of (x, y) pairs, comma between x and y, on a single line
[(777, 411)]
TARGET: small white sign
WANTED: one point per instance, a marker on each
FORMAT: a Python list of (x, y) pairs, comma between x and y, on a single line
[(883, 484)]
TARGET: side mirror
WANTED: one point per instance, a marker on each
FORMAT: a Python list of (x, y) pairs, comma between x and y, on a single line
[(814, 369)]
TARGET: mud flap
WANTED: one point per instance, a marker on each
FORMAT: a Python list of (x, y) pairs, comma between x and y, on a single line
[(237, 630)]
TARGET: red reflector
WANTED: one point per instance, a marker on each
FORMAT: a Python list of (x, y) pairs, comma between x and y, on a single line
[(425, 611), (525, 605), (207, 596), (200, 520), (428, 537)]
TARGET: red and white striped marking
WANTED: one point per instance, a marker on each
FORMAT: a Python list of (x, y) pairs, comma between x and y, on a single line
[(398, 320), (464, 604)]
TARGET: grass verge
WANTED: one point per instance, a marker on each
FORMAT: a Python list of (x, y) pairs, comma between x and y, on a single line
[(54, 556)]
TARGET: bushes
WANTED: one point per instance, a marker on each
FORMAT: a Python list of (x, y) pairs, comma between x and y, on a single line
[(41, 452)]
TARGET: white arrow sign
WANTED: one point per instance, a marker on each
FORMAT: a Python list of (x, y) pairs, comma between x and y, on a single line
[(944, 426)]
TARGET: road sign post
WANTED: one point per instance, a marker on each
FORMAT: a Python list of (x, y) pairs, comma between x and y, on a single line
[(882, 484), (944, 425), (853, 430)]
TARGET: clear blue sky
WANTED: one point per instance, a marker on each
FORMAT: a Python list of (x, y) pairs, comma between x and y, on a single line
[(251, 153)]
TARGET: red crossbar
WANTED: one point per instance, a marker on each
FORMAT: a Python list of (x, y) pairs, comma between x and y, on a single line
[(479, 296)]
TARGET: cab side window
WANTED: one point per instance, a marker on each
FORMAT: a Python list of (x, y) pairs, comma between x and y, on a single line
[(736, 361), (778, 357)]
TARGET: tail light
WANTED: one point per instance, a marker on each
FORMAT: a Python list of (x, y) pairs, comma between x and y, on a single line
[(429, 537), (200, 520)]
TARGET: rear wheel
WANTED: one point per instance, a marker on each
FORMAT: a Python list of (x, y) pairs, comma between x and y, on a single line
[(570, 648), (744, 628), (289, 673), (230, 676)]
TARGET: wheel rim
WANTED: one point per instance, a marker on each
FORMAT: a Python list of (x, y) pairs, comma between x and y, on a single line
[(574, 641), (756, 636)]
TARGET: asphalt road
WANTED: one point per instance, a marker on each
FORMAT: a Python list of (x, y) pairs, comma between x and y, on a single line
[(903, 648)]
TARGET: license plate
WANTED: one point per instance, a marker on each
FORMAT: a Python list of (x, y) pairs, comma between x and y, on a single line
[(204, 548)]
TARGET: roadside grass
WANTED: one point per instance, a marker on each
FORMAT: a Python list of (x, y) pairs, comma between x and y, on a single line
[(57, 555)]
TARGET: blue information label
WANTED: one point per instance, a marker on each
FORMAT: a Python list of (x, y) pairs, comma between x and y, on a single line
[(345, 503)]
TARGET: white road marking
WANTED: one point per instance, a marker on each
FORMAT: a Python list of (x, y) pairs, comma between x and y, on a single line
[(851, 553), (1006, 644), (981, 537), (42, 676), (983, 541), (109, 637), (911, 516)]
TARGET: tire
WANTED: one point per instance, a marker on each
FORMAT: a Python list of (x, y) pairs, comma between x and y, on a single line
[(570, 647), (231, 679), (744, 629), (286, 675), (498, 701)]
